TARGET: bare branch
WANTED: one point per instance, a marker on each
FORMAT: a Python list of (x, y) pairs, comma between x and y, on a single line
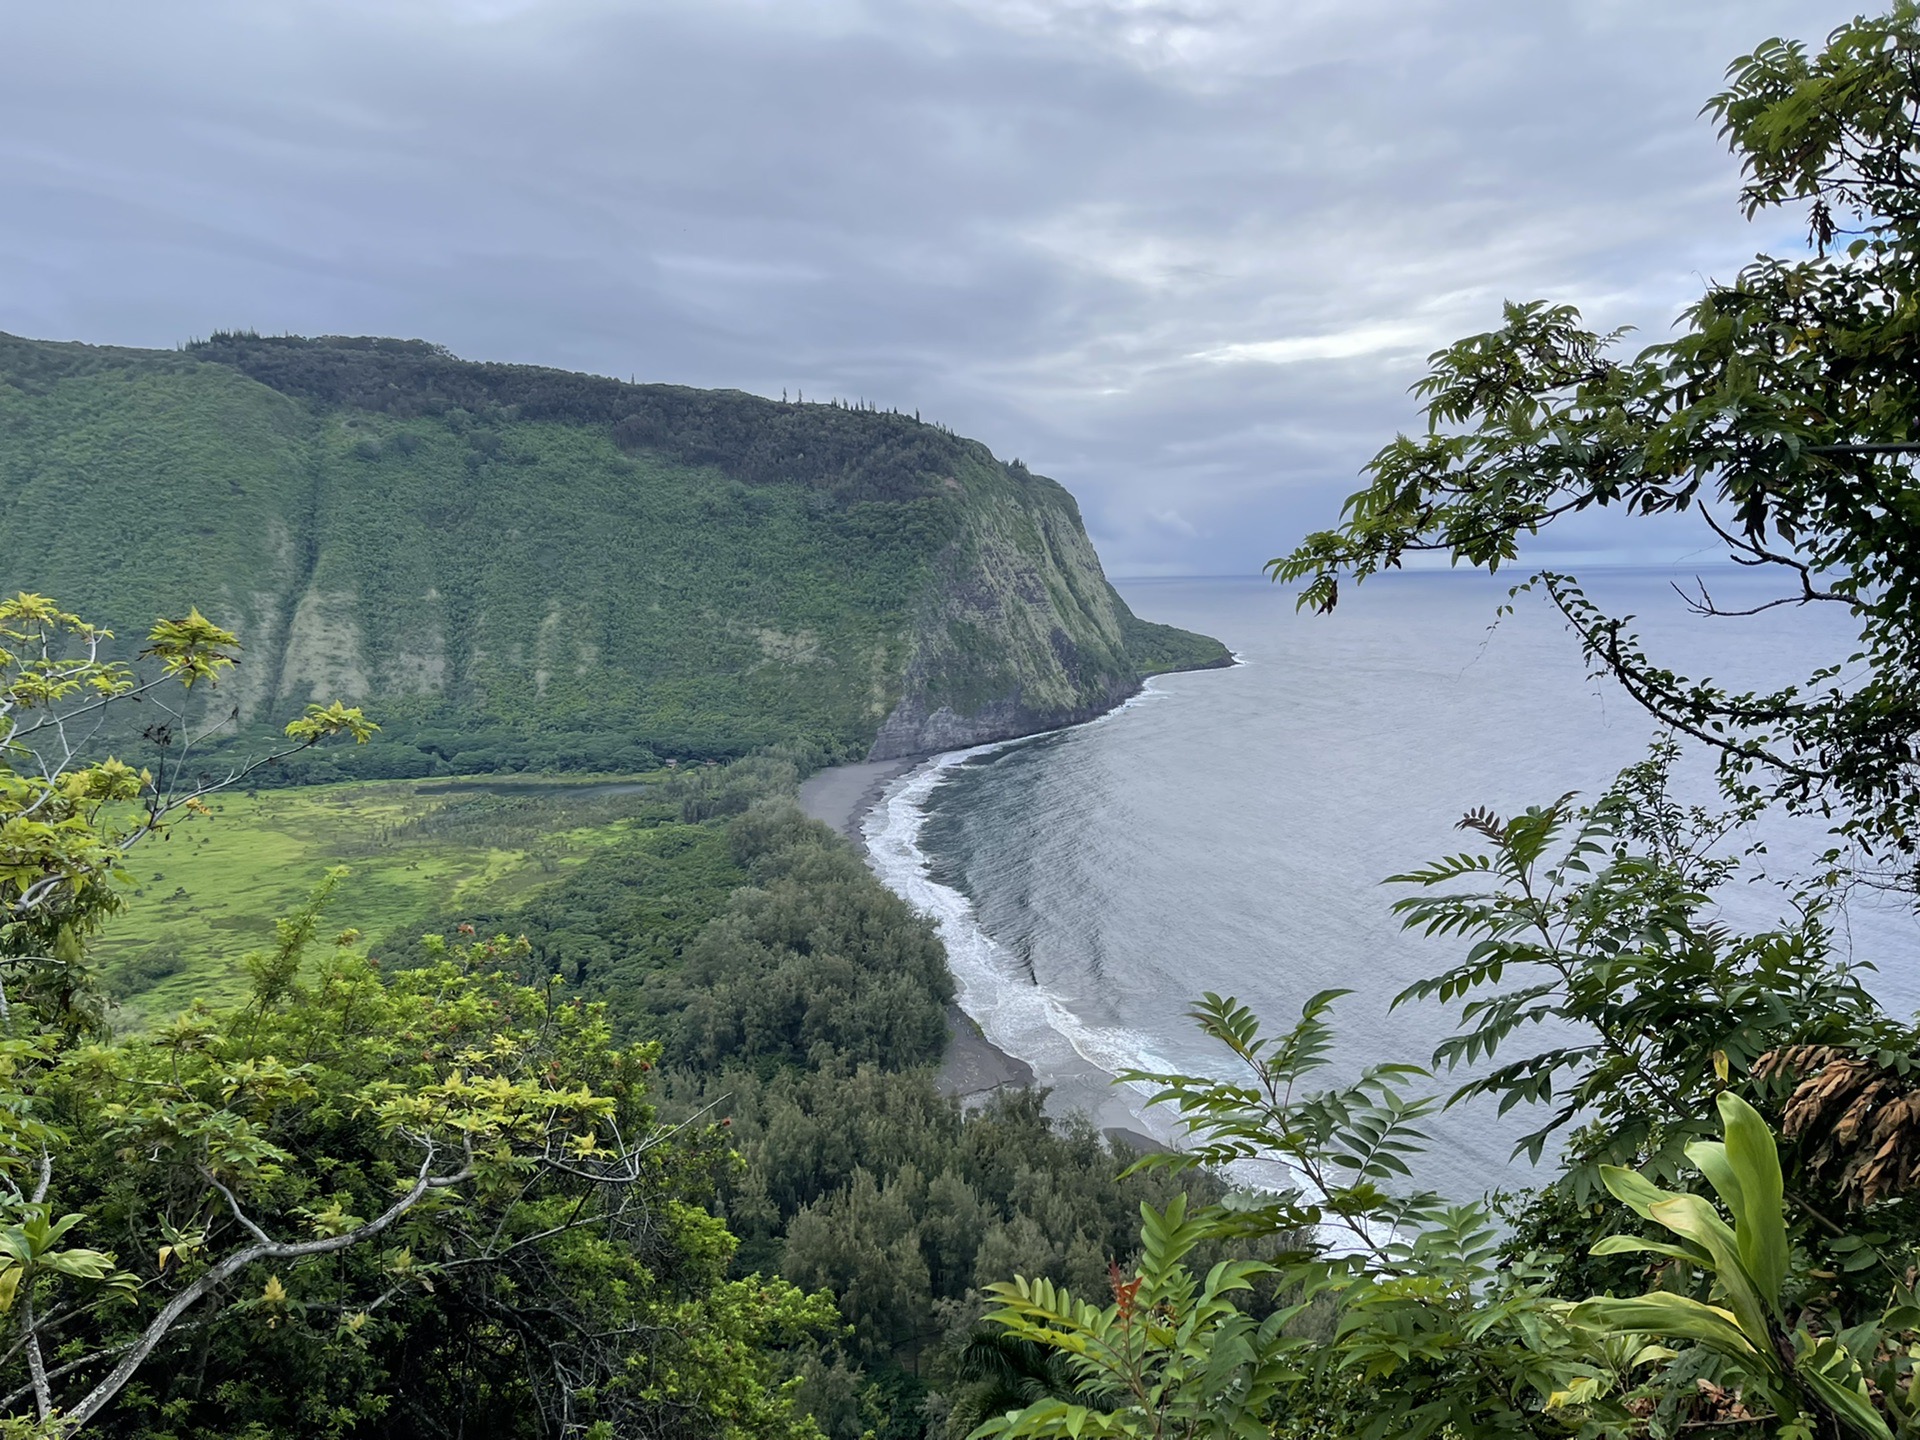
[(233, 1204)]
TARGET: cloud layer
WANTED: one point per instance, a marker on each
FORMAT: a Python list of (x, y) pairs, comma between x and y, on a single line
[(1184, 255)]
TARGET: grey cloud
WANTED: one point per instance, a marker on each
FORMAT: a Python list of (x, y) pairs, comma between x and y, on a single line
[(1184, 256)]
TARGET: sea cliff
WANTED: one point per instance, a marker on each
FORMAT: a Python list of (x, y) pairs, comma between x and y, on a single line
[(518, 566)]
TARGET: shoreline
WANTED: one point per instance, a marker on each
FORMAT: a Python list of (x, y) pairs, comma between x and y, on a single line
[(842, 796)]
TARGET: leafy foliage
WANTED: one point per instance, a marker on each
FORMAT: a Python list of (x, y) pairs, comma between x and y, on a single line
[(1806, 1378), (1778, 415), (1599, 979), (62, 807), (1602, 926), (1172, 1355), (433, 1205)]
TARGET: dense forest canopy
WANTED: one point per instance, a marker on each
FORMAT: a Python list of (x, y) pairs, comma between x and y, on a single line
[(850, 454)]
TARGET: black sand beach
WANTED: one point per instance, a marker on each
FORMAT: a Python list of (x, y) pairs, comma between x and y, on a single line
[(841, 797)]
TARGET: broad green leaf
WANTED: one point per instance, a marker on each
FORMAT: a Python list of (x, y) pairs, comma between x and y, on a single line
[(1849, 1402), (1759, 1220), (1632, 1189), (1692, 1217), (1636, 1245), (1710, 1157), (1672, 1317)]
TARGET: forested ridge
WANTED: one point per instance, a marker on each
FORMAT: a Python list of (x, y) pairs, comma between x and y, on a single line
[(537, 569), (851, 454)]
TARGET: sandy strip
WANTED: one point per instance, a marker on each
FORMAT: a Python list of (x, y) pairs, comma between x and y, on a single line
[(974, 1066), (842, 795)]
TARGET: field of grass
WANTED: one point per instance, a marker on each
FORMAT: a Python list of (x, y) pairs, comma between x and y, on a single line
[(203, 895)]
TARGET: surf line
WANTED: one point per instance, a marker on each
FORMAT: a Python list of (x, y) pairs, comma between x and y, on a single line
[(1022, 1018), (1025, 1019)]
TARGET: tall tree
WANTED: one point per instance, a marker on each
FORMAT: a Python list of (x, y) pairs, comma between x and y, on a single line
[(1781, 416)]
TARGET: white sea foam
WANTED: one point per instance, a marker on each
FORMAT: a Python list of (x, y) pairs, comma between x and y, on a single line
[(1026, 1020), (1229, 838)]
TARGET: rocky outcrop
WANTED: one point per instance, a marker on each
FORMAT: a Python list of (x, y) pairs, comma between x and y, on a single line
[(914, 730)]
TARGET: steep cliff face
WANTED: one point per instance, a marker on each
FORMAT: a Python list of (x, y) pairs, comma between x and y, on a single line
[(1018, 630), (486, 551)]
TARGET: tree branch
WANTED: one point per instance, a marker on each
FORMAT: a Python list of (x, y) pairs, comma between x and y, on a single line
[(425, 1181)]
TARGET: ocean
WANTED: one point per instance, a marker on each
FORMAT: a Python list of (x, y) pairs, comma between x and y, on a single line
[(1230, 830)]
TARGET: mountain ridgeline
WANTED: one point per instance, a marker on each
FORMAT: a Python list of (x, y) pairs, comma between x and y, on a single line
[(518, 566)]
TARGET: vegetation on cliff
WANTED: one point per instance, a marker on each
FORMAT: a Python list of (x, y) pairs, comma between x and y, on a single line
[(527, 568)]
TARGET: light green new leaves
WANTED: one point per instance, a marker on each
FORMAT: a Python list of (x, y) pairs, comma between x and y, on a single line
[(31, 1246), (1797, 1373), (67, 817), (1745, 1172)]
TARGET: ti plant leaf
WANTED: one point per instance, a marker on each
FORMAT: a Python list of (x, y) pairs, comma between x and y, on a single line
[(1802, 1376)]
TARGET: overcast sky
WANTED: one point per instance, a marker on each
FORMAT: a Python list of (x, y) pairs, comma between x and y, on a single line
[(1184, 255)]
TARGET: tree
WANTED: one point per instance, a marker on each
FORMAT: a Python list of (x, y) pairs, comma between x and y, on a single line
[(1781, 415), (68, 815), (432, 1205)]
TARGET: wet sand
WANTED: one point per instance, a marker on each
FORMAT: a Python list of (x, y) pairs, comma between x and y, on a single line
[(975, 1067)]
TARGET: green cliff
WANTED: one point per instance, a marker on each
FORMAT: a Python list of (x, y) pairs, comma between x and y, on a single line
[(518, 565)]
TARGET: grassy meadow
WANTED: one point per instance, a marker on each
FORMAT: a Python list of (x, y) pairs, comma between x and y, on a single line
[(208, 891)]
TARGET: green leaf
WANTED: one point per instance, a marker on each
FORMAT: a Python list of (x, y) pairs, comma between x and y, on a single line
[(1673, 1317), (1849, 1402), (1759, 1221), (1637, 1245), (1692, 1217), (1632, 1189)]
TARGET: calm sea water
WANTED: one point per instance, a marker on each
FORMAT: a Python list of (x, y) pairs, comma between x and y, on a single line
[(1229, 830)]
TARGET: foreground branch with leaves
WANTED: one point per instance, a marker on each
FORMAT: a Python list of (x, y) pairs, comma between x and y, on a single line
[(351, 1168), (1661, 1047), (435, 1203), (68, 814), (1781, 415)]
